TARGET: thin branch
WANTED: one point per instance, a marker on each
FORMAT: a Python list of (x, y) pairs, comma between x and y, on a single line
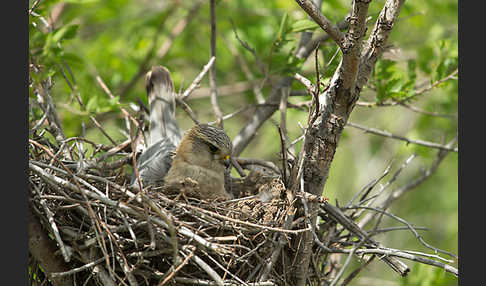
[(197, 80), (410, 227), (417, 93), (108, 92), (176, 31), (398, 137), (322, 21), (212, 69)]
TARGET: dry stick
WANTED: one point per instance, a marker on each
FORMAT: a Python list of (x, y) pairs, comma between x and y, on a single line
[(232, 219), (188, 110), (241, 282), (122, 206), (197, 80), (399, 192), (100, 272), (212, 70), (165, 217), (384, 252), (66, 254), (34, 6), (253, 161), (41, 121), (398, 137), (333, 31), (307, 83), (412, 229), (210, 271), (353, 274), (246, 70), (180, 100), (352, 227), (54, 120), (284, 137), (78, 269), (201, 282), (281, 239), (384, 187), (179, 267), (76, 188), (247, 133), (108, 92), (368, 187), (346, 263), (97, 124), (252, 51), (394, 195)]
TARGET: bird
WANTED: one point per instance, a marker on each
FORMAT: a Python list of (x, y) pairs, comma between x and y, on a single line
[(201, 155)]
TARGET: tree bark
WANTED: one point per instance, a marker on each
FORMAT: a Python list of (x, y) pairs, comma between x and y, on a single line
[(337, 102)]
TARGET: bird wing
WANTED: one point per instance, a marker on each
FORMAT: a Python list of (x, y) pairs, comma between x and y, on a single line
[(154, 163), (164, 133)]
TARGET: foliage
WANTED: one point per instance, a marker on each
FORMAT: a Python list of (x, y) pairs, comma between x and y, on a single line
[(111, 39)]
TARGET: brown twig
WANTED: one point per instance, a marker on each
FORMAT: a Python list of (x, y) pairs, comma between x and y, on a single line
[(398, 137), (212, 69)]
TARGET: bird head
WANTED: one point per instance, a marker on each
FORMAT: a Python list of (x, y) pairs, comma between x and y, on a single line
[(210, 147)]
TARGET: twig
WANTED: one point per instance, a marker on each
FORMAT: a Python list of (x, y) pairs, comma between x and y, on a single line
[(232, 219), (368, 187), (78, 269), (346, 263), (398, 137), (176, 31), (352, 227), (419, 110), (198, 78), (257, 88), (322, 21), (398, 253), (108, 92), (417, 92), (283, 132), (395, 194), (210, 271), (179, 267), (307, 83), (52, 223), (412, 229), (212, 69)]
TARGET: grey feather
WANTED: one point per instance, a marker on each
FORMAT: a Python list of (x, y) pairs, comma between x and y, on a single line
[(161, 97), (164, 133)]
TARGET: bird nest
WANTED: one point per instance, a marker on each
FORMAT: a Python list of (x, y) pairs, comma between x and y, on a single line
[(106, 231)]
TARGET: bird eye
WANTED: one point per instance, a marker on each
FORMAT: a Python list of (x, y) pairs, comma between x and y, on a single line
[(213, 148)]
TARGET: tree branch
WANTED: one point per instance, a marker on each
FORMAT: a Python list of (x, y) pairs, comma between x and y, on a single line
[(322, 21)]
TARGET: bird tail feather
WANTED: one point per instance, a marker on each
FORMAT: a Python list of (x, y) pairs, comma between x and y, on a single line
[(161, 98)]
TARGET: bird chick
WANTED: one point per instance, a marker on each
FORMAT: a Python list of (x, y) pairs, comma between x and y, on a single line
[(203, 155)]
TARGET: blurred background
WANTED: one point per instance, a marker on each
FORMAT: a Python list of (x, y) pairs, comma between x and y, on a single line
[(119, 40)]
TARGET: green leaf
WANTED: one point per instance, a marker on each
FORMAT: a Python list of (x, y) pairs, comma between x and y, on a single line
[(281, 29), (303, 25), (65, 33)]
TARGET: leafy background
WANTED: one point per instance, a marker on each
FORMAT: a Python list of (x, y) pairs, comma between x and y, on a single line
[(111, 38)]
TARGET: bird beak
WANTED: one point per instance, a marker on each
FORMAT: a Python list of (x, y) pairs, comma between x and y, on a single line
[(227, 161)]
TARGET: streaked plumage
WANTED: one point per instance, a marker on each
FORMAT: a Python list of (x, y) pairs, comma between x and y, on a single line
[(201, 155)]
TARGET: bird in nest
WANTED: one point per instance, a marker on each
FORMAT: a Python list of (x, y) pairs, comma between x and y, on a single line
[(201, 155)]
